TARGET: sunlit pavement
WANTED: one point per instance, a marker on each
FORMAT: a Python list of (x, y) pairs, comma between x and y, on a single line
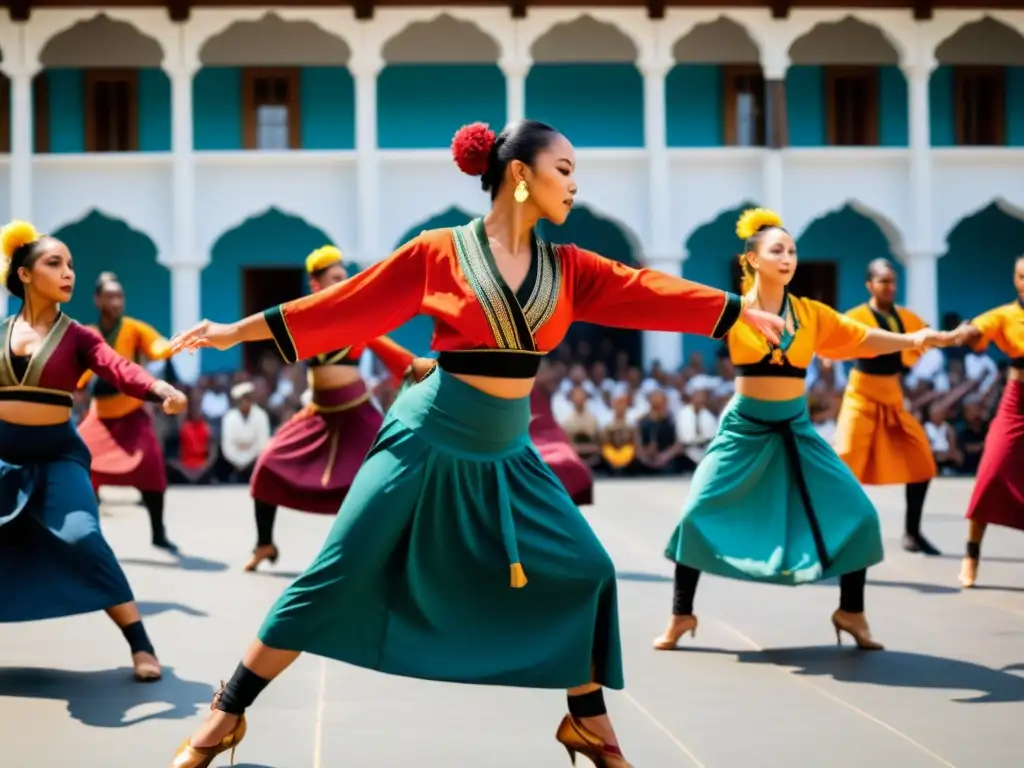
[(763, 684)]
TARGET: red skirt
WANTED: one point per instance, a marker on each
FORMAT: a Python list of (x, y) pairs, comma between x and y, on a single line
[(313, 458), (556, 451), (998, 496), (125, 451)]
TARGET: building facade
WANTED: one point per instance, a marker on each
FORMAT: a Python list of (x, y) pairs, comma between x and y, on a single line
[(202, 159)]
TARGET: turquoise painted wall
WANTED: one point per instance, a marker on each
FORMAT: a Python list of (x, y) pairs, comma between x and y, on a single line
[(272, 239), (942, 112), (595, 105), (423, 105), (806, 105), (66, 104), (98, 243), (976, 271), (694, 106), (327, 115)]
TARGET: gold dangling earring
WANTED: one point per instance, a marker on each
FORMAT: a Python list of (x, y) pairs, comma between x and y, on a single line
[(522, 192)]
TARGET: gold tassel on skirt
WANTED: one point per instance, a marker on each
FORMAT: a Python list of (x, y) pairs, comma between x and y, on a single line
[(518, 576)]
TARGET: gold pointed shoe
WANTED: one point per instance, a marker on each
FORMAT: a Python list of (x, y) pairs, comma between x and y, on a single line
[(146, 670), (265, 552), (968, 572), (677, 627), (578, 739), (856, 626), (188, 756)]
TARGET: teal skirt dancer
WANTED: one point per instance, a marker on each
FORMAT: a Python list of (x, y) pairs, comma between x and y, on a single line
[(458, 556), (772, 502), (54, 560)]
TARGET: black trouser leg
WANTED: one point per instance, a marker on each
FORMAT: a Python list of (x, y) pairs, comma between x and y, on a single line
[(265, 516), (154, 503), (685, 588), (916, 493), (851, 591)]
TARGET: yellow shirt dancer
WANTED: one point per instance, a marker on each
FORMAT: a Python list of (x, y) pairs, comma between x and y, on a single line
[(117, 430), (880, 441)]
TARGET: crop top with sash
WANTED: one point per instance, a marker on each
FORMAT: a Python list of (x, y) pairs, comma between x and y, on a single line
[(813, 329), (50, 375), (1004, 327), (900, 320), (482, 326)]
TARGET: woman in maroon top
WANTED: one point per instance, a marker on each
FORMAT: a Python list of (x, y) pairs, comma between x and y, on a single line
[(54, 560)]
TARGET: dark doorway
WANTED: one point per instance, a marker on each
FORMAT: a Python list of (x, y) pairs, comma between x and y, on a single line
[(813, 280), (267, 287)]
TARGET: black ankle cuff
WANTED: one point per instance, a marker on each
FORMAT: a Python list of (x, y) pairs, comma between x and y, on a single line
[(137, 638), (240, 692), (588, 704), (974, 550)]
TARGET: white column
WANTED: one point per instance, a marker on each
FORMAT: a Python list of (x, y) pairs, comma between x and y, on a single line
[(659, 190), (184, 262), (515, 71), (922, 257), (365, 69), (774, 65), (666, 348)]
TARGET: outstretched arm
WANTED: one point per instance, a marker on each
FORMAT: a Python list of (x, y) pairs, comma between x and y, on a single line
[(981, 331), (609, 293), (349, 313), (395, 357), (840, 337), (124, 375)]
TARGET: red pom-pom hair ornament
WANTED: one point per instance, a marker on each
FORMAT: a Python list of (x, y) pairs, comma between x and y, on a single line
[(471, 148)]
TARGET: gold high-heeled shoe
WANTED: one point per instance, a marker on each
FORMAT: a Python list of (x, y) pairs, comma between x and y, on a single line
[(578, 739), (146, 671), (187, 756), (968, 572), (678, 626), (856, 626), (267, 552)]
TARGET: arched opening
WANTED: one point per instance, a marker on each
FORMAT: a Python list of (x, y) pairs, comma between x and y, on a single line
[(98, 243), (976, 271), (273, 84), (102, 89), (713, 250), (714, 95), (584, 81), (415, 335), (835, 250), (977, 91), (253, 266), (845, 88), (586, 342), (440, 75)]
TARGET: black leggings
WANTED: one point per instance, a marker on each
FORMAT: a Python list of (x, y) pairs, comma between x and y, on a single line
[(851, 590), (916, 493), (154, 503), (265, 516)]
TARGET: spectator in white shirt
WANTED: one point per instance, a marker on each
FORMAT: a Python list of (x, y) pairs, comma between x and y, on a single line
[(245, 430), (696, 425)]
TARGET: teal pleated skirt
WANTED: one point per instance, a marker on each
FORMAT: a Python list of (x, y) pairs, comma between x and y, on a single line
[(54, 560), (772, 501), (452, 506)]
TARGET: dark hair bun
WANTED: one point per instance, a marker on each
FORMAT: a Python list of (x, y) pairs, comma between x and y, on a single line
[(471, 148)]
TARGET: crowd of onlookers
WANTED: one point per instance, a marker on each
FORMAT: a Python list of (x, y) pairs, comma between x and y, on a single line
[(622, 420)]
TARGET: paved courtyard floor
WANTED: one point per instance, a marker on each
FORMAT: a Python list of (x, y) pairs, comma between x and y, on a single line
[(762, 685)]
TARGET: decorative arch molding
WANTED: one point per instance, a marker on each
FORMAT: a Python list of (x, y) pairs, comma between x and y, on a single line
[(68, 222), (887, 49), (598, 221), (604, 43), (391, 30), (631, 22), (963, 44), (698, 45), (725, 218), (452, 216), (297, 41), (100, 241), (271, 210), (48, 24), (1005, 206), (893, 234)]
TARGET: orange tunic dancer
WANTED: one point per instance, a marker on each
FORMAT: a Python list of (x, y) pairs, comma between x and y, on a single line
[(880, 441), (117, 429)]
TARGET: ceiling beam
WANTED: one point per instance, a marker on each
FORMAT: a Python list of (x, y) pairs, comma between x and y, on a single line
[(179, 10), (20, 10)]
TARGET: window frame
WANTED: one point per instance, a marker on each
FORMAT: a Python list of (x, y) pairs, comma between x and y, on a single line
[(871, 74), (964, 72), (93, 78), (294, 104), (730, 73)]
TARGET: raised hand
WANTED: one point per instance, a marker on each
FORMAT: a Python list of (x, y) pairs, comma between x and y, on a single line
[(926, 338), (174, 400), (768, 324), (206, 334)]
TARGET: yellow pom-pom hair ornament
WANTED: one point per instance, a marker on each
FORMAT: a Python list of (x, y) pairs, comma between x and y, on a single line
[(322, 258), (755, 219), (12, 237)]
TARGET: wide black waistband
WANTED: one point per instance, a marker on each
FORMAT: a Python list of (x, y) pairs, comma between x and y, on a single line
[(501, 364), (1018, 363), (883, 365), (764, 369), (34, 395)]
